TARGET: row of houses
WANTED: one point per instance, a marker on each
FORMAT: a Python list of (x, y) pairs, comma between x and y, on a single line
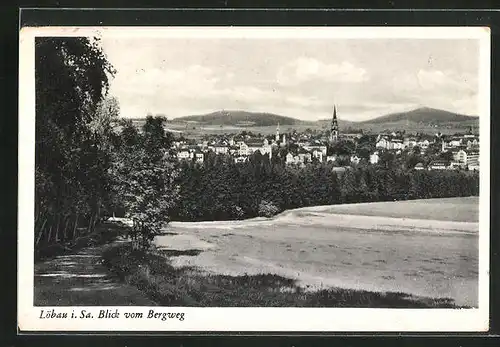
[(469, 158), (241, 149), (238, 148), (443, 165), (396, 142), (304, 156)]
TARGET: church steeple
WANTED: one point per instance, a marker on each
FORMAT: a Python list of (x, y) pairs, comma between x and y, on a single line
[(277, 137), (334, 131)]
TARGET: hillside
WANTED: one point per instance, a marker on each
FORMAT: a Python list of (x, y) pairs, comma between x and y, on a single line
[(241, 118), (425, 120), (424, 115)]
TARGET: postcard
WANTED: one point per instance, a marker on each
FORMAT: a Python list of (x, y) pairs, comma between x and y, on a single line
[(254, 179)]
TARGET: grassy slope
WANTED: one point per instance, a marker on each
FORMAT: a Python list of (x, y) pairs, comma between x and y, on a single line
[(168, 286), (465, 209)]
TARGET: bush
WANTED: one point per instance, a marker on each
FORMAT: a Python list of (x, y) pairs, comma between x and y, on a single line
[(267, 209)]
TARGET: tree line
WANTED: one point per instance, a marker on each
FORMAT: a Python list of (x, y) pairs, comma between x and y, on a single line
[(221, 189)]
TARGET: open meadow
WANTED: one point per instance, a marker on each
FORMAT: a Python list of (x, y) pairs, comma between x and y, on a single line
[(424, 248)]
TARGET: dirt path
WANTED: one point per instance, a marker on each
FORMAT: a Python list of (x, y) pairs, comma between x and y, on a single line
[(81, 280)]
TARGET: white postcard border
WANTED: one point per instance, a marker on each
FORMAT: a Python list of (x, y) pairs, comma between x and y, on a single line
[(247, 319)]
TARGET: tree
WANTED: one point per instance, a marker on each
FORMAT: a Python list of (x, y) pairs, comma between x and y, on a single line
[(145, 172), (71, 137), (446, 156), (364, 151), (342, 148), (387, 159), (417, 150)]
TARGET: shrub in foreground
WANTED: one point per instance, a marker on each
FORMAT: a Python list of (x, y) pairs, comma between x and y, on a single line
[(267, 209)]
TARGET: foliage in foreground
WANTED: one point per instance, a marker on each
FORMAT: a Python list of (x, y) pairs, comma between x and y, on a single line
[(143, 170), (71, 137), (151, 273)]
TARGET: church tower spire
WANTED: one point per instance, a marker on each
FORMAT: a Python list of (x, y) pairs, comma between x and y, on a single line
[(277, 137), (334, 131)]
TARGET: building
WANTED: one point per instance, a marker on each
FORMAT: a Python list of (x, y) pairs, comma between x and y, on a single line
[(456, 165), (199, 157), (317, 154), (472, 161), (243, 149), (183, 154), (438, 165), (331, 158), (473, 167), (220, 149), (334, 131), (240, 159), (374, 158), (423, 144), (419, 166), (315, 147), (460, 156), (389, 142), (383, 143), (339, 169), (355, 159), (472, 143), (409, 142), (304, 155), (234, 150)]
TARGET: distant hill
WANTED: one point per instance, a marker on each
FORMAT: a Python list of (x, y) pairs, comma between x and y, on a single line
[(424, 115), (241, 118), (427, 120)]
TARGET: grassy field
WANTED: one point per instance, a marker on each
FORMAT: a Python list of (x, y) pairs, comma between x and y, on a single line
[(464, 209), (418, 253), (171, 286), (423, 247)]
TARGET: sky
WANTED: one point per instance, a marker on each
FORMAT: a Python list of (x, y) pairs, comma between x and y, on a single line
[(300, 78)]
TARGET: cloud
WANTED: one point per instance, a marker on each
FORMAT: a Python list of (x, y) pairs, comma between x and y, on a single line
[(444, 89), (305, 69), (431, 80)]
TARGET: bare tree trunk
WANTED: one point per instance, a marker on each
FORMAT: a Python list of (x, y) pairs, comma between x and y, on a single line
[(95, 221), (40, 233), (50, 234), (57, 228), (74, 228), (65, 234), (89, 230)]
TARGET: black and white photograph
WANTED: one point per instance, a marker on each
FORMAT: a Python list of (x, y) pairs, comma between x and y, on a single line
[(254, 179)]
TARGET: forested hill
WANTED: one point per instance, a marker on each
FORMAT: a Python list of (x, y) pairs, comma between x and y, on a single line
[(237, 117), (424, 115)]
